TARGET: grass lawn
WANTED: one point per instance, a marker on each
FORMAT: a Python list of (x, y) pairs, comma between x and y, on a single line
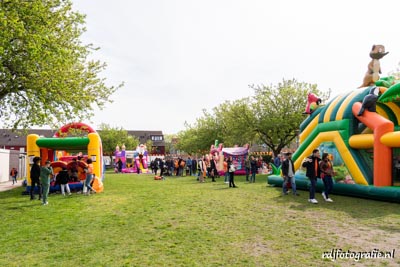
[(138, 221)]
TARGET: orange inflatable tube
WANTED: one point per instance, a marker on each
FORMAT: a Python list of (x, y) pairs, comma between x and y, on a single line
[(382, 153), (57, 166)]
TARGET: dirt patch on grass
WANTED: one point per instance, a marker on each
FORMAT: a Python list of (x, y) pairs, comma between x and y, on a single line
[(256, 248), (351, 237)]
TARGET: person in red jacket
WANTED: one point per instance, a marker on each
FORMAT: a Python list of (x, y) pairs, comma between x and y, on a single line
[(13, 175), (326, 175)]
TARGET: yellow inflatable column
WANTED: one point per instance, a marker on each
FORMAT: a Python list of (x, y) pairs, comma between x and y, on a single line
[(33, 150), (95, 153)]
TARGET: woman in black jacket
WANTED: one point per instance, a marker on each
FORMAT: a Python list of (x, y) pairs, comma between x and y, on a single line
[(313, 172), (231, 172), (35, 178)]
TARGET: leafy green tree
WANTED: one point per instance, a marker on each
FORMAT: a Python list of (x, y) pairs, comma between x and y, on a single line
[(198, 138), (46, 77), (111, 137), (279, 111), (271, 117), (189, 142), (236, 122)]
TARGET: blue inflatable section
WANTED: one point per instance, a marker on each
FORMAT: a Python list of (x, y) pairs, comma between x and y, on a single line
[(385, 193), (54, 188)]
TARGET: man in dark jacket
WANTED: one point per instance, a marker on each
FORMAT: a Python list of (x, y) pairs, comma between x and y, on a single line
[(161, 165), (213, 167), (35, 178), (288, 174), (253, 169), (313, 173)]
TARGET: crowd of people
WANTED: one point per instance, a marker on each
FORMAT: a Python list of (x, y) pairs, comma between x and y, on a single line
[(42, 177), (190, 166), (315, 167), (205, 167), (319, 168), (173, 167)]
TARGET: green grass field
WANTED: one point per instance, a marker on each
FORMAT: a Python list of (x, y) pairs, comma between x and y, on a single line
[(138, 221)]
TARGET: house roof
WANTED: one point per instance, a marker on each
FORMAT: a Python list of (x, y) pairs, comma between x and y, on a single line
[(18, 138)]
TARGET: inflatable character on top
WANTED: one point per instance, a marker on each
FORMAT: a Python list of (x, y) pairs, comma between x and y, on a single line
[(312, 103), (374, 66), (141, 156), (216, 150), (369, 101)]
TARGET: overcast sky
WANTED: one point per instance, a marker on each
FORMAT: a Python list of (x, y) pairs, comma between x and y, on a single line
[(178, 57)]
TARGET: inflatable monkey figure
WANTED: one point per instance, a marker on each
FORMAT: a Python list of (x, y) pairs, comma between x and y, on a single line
[(374, 66)]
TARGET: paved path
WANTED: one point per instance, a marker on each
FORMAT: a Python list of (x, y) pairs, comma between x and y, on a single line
[(4, 186)]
